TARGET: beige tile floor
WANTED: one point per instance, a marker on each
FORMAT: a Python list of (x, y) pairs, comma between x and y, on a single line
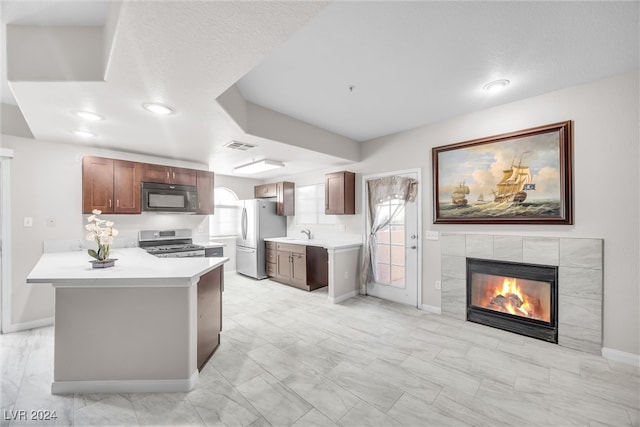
[(289, 358)]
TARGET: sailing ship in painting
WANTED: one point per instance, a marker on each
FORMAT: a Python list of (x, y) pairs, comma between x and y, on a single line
[(510, 197), (514, 183), (459, 195)]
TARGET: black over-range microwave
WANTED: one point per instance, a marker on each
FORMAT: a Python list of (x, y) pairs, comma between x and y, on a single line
[(157, 197)]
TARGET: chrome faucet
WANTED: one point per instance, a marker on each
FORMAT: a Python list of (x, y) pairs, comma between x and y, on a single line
[(307, 232)]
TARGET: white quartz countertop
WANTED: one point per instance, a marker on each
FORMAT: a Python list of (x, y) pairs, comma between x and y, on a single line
[(327, 244), (134, 268)]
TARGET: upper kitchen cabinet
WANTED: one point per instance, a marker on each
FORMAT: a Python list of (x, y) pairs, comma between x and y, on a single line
[(112, 186), (340, 193), (168, 175), (285, 198), (284, 192), (265, 191), (205, 184)]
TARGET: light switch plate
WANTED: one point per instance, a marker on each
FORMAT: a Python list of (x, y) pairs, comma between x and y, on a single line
[(432, 235), (28, 221)]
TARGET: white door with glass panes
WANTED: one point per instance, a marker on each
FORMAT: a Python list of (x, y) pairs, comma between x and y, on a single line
[(396, 263)]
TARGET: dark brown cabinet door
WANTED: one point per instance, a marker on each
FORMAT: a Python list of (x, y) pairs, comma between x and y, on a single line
[(205, 184), (210, 289), (182, 176), (340, 194), (126, 187), (97, 184), (299, 270), (283, 266), (285, 198), (317, 267), (264, 191), (168, 175), (155, 173)]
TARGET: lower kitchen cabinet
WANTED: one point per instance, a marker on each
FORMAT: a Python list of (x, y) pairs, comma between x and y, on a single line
[(210, 289), (305, 267)]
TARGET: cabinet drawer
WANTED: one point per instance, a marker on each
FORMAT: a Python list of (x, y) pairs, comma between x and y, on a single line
[(271, 245), (271, 269), (271, 255), (296, 249)]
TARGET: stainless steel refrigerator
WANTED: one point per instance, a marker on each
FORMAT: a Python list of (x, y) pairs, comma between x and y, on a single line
[(258, 220)]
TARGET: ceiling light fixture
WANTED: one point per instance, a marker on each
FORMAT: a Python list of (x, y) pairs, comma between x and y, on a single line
[(88, 115), (157, 108), (496, 85), (83, 133), (259, 166)]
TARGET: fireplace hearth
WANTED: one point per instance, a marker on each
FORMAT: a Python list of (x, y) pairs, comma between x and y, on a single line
[(516, 297)]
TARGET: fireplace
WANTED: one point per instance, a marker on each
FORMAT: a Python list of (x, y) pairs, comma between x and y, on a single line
[(516, 297)]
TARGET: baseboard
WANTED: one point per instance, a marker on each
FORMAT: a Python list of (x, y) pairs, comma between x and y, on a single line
[(621, 356), (431, 309), (125, 386), (343, 297), (33, 324)]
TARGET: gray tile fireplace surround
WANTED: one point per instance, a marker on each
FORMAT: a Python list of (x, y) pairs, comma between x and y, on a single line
[(579, 278)]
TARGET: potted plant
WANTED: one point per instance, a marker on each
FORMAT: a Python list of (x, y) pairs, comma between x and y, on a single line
[(102, 232)]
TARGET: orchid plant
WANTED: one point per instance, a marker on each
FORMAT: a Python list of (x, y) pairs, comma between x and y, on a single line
[(102, 232)]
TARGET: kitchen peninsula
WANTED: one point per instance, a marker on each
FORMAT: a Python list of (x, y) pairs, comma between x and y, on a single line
[(147, 324)]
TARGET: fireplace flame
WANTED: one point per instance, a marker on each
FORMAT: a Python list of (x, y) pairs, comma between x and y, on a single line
[(520, 297), (511, 298)]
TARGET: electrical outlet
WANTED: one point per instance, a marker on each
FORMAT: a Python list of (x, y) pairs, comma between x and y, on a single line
[(438, 284), (28, 221), (51, 222), (432, 235), (201, 228)]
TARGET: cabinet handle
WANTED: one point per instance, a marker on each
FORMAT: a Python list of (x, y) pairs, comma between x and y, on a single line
[(174, 175), (109, 202), (117, 203), (167, 174)]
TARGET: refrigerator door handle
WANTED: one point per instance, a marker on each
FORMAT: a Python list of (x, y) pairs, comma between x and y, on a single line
[(240, 249), (244, 223)]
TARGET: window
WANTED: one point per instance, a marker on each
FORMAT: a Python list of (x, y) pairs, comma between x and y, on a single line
[(224, 222), (310, 206), (390, 260)]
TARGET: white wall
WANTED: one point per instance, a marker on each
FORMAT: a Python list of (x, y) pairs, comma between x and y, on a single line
[(46, 181)]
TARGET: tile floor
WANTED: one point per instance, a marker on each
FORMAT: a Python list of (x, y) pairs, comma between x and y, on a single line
[(289, 358)]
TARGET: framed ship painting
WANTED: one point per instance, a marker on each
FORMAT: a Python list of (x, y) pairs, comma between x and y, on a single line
[(522, 177)]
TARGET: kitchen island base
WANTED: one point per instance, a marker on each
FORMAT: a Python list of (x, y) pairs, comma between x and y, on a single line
[(132, 329)]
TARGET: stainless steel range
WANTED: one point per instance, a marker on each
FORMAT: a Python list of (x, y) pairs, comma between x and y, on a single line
[(169, 243)]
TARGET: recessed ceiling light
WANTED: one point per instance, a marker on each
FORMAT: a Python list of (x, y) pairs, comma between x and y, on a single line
[(88, 115), (157, 108), (83, 133), (496, 85)]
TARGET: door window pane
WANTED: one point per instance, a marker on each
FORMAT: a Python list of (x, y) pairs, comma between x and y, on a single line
[(391, 242)]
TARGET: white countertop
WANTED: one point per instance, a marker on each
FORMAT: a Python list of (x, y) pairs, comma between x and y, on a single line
[(134, 268), (316, 242)]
